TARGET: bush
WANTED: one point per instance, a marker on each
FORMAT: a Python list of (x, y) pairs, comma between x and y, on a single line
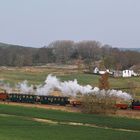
[(91, 103)]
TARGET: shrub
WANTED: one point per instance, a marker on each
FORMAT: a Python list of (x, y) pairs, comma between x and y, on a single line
[(92, 103)]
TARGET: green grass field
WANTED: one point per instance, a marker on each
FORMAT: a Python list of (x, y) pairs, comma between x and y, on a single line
[(16, 76), (17, 124)]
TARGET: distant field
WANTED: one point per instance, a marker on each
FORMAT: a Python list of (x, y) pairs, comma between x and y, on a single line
[(38, 76), (21, 126), (130, 49)]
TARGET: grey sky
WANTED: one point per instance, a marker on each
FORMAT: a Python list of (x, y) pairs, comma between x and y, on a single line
[(38, 22)]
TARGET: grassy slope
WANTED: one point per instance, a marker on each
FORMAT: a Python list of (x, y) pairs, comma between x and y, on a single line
[(14, 128), (21, 128), (113, 122)]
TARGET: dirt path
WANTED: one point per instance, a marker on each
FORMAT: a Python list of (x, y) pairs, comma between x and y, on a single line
[(82, 124)]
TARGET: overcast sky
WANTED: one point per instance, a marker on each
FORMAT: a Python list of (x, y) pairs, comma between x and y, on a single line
[(38, 22)]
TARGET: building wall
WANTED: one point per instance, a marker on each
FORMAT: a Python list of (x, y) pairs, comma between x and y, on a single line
[(127, 73)]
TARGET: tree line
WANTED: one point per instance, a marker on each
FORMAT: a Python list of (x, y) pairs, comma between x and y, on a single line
[(66, 52)]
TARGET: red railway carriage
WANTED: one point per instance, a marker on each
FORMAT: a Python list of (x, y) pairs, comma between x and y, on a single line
[(3, 96), (122, 106)]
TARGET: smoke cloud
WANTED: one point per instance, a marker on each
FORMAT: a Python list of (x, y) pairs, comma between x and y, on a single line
[(24, 88), (68, 88), (5, 86)]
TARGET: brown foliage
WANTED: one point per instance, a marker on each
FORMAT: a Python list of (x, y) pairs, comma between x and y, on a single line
[(103, 81), (99, 105)]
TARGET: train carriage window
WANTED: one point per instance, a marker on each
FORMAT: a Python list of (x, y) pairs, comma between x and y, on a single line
[(51, 99), (38, 97), (10, 96), (31, 97)]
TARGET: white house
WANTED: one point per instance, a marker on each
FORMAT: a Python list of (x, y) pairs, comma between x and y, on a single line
[(96, 70), (128, 73), (124, 73)]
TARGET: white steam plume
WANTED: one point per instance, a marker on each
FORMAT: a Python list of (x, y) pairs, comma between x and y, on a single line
[(69, 88), (72, 88), (112, 93), (51, 83), (5, 86), (25, 88)]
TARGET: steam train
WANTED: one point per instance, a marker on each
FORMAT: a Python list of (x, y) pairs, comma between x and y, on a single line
[(28, 98), (55, 100)]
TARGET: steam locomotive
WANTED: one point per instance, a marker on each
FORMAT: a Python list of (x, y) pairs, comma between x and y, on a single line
[(55, 100)]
